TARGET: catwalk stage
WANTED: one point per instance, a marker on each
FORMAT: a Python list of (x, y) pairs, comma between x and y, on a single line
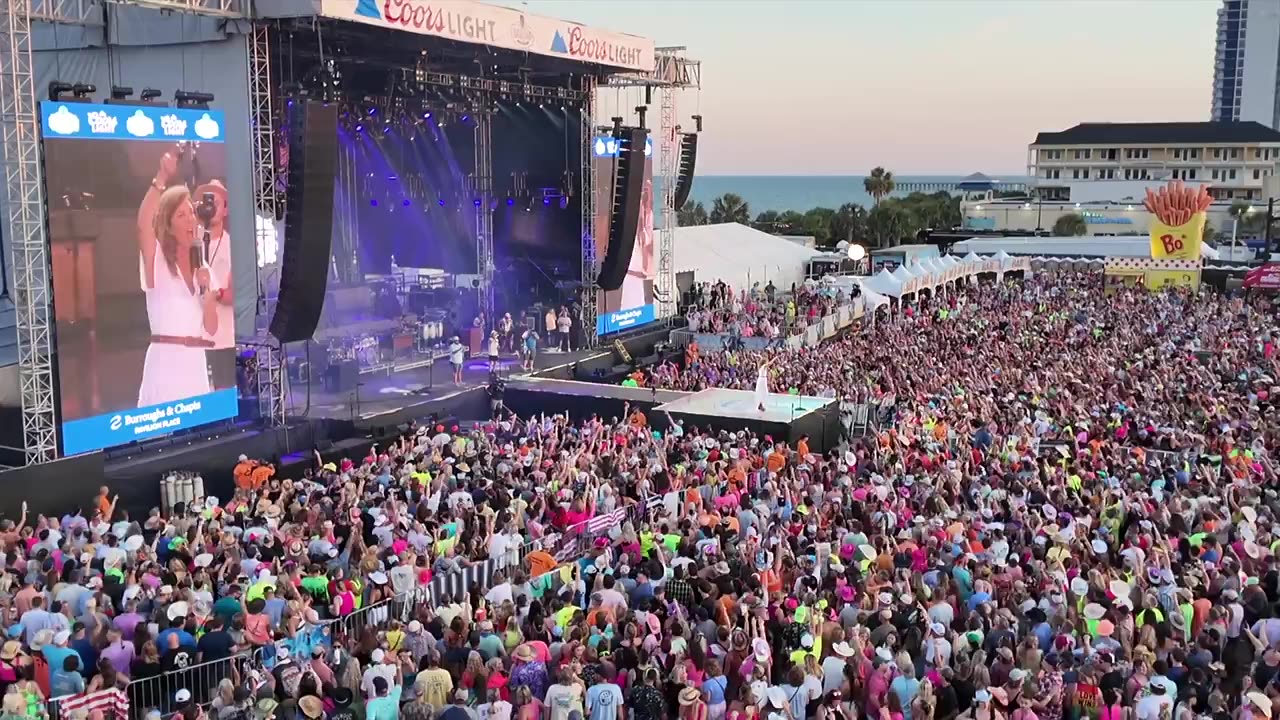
[(784, 417)]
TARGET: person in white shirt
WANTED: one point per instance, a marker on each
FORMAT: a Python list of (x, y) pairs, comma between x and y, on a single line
[(222, 357), (1149, 707), (457, 354)]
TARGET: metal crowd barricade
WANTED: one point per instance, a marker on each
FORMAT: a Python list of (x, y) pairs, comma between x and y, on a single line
[(201, 680)]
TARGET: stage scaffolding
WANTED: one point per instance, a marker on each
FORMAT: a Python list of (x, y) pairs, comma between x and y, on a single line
[(24, 216), (673, 72), (587, 207), (482, 179)]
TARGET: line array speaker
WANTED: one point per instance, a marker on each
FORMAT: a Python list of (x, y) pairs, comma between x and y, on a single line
[(684, 176), (304, 270), (625, 218)]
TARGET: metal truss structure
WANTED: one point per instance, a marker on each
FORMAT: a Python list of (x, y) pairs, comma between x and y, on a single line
[(266, 197), (673, 72), (24, 214), (25, 228), (270, 379), (483, 189), (588, 199)]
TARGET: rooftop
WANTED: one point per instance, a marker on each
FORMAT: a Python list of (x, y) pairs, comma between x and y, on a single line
[(1167, 133)]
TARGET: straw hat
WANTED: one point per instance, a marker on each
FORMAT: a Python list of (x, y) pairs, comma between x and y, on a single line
[(10, 650), (311, 706), (1094, 611), (524, 653), (690, 695)]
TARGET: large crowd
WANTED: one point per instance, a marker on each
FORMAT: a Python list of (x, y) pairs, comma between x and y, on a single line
[(1070, 514), (759, 311)]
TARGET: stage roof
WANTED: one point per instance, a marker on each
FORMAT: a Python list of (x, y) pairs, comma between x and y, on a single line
[(1082, 246), (739, 255), (478, 23)]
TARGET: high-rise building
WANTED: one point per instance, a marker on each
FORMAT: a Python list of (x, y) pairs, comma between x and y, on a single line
[(1246, 70)]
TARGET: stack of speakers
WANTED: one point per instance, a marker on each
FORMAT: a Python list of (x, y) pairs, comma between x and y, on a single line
[(624, 220), (304, 271)]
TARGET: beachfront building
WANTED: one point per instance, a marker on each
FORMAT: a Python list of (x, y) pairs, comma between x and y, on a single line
[(1101, 171), (1246, 63)]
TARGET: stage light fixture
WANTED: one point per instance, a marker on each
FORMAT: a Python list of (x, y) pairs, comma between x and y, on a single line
[(441, 202), (187, 99), (511, 201), (149, 94), (697, 120), (121, 92), (82, 91), (56, 89), (640, 113), (373, 203), (372, 111), (564, 202), (546, 202), (476, 202), (359, 127)]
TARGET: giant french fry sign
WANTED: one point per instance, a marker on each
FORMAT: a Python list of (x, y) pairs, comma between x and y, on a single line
[(1177, 227)]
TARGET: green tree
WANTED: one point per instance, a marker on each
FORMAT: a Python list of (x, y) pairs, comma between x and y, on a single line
[(878, 184), (848, 224), (730, 208), (767, 221), (887, 224), (691, 214), (817, 222), (1210, 235), (790, 221), (1069, 225)]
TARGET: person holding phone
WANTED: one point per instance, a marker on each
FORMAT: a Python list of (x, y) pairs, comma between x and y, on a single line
[(181, 311)]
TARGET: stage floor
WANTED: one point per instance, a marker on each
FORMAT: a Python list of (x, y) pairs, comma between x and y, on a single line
[(740, 404), (380, 393)]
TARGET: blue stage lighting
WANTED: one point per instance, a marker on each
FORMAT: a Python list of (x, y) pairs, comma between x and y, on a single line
[(359, 128), (405, 202), (546, 201), (373, 111), (510, 202), (441, 202), (373, 203), (477, 202)]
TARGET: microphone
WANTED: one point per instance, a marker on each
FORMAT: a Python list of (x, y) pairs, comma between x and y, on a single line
[(197, 262)]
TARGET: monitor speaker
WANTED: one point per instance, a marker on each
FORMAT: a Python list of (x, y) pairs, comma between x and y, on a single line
[(624, 220), (304, 270), (684, 178)]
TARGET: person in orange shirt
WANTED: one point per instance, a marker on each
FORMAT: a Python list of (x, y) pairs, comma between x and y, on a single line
[(802, 446), (540, 562), (776, 462), (243, 473), (261, 474)]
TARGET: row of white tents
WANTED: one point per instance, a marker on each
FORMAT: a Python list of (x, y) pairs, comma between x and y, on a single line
[(932, 273)]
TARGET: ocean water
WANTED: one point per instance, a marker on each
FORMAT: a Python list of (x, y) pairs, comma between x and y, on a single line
[(796, 192)]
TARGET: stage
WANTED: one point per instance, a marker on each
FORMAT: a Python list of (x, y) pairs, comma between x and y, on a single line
[(784, 417), (378, 394)]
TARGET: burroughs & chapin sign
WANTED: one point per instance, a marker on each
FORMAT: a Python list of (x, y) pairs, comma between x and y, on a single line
[(475, 22)]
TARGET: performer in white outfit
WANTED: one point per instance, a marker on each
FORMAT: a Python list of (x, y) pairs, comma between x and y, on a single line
[(181, 311), (762, 385)]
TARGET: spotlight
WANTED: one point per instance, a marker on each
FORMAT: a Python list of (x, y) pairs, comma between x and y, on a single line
[(373, 203), (359, 127), (546, 202), (56, 89), (697, 120), (510, 202), (120, 92), (405, 202), (476, 202), (373, 111), (81, 91), (640, 113), (183, 98), (441, 202), (466, 119), (149, 94), (426, 115)]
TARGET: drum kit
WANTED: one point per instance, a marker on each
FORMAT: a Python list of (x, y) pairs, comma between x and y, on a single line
[(364, 350)]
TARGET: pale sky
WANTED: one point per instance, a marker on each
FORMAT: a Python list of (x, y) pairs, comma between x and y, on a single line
[(835, 87)]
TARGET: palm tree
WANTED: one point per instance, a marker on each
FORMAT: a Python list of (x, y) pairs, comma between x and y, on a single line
[(878, 184), (887, 224), (691, 214), (730, 208), (848, 224), (1069, 225), (1243, 217)]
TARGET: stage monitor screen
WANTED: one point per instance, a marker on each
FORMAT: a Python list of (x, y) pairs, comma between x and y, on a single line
[(141, 261), (631, 305)]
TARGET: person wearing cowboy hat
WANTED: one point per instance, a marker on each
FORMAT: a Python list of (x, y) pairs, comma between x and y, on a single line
[(211, 198)]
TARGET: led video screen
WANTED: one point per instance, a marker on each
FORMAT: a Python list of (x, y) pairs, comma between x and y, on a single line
[(631, 305), (141, 261)]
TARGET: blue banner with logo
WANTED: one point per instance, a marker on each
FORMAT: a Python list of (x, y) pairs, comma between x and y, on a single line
[(130, 122), (126, 426), (625, 319)]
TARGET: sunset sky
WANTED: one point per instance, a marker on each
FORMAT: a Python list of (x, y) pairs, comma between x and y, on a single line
[(802, 87)]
